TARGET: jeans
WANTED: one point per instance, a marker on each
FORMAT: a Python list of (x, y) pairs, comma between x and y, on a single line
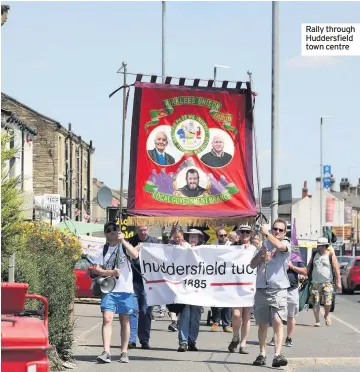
[(140, 322), (189, 324), (223, 313)]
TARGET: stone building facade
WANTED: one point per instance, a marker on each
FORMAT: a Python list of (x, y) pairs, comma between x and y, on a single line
[(62, 161)]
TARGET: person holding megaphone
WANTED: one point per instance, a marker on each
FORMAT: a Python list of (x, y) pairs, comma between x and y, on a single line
[(114, 263)]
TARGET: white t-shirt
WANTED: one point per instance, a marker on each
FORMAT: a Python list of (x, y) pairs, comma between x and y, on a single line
[(125, 281)]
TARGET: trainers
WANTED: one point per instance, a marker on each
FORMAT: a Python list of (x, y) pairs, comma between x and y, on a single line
[(279, 361), (272, 342), (288, 342), (260, 360), (105, 357), (192, 347), (173, 327), (145, 345), (233, 346), (243, 350), (228, 329), (182, 348), (132, 345), (214, 327), (124, 358)]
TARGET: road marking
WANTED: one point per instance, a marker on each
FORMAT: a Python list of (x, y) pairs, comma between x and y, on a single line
[(343, 322), (324, 361), (82, 335)]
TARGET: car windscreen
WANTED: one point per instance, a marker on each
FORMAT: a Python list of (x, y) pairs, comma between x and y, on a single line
[(82, 264)]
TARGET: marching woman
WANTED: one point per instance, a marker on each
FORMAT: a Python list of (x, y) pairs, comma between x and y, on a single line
[(241, 315), (190, 315)]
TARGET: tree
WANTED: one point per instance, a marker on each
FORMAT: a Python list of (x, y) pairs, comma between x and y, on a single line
[(11, 198)]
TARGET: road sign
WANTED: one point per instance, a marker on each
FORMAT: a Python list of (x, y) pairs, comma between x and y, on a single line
[(327, 176)]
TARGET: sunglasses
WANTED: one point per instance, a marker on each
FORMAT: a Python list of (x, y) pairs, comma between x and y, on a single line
[(245, 232), (277, 229), (111, 229), (223, 236)]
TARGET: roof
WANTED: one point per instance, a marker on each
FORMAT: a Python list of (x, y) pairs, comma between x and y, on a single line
[(350, 199), (5, 97), (13, 118)]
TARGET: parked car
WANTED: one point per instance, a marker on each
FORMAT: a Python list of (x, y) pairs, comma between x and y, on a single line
[(343, 262), (350, 278), (83, 281)]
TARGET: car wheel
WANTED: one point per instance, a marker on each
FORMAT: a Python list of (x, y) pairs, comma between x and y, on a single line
[(350, 291)]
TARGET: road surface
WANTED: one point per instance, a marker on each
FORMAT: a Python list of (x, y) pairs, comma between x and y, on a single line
[(330, 349)]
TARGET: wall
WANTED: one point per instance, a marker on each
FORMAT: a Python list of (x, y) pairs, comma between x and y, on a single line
[(307, 214)]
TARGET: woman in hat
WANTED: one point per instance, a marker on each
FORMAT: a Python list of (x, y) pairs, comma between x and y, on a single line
[(241, 315), (190, 316)]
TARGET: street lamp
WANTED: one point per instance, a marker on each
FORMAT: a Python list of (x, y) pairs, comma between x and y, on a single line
[(215, 71), (321, 172)]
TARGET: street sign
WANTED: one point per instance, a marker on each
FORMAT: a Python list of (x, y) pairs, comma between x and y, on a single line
[(284, 195), (327, 177)]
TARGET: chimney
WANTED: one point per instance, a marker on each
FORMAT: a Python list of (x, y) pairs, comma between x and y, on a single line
[(304, 190), (333, 180), (345, 186)]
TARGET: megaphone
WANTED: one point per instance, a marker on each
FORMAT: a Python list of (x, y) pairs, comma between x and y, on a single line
[(103, 285)]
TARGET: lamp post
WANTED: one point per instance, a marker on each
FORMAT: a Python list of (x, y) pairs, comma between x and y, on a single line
[(215, 71), (274, 109), (321, 172), (163, 71)]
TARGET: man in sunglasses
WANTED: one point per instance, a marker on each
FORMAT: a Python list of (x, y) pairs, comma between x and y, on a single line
[(114, 261), (271, 261), (221, 313)]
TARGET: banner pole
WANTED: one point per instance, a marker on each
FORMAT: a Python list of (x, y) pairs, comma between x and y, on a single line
[(124, 67), (256, 153)]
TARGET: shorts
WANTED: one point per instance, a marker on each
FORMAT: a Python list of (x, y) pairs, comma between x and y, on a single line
[(293, 302), (269, 303), (321, 294), (119, 303)]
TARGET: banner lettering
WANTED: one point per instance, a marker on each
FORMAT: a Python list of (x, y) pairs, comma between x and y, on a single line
[(207, 275)]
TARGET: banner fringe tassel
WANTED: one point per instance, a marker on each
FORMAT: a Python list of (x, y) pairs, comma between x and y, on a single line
[(189, 221)]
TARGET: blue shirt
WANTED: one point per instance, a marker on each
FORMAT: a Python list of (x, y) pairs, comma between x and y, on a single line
[(160, 158), (293, 276)]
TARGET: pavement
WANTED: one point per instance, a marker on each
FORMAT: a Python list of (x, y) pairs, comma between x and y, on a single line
[(330, 349)]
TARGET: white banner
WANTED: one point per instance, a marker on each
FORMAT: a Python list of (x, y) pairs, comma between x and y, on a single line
[(92, 245), (206, 275), (50, 202)]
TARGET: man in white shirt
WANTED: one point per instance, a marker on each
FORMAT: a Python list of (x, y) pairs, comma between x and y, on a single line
[(114, 260)]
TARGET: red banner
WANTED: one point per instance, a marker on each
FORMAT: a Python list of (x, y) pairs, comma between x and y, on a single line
[(191, 155)]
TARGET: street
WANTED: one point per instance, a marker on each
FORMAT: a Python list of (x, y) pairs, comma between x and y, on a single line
[(321, 349)]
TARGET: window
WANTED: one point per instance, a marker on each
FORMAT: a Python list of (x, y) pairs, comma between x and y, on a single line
[(357, 263), (12, 160)]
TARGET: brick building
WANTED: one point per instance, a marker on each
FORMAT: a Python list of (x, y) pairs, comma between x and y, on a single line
[(62, 161)]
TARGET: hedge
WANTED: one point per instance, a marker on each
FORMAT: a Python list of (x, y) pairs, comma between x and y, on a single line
[(45, 259)]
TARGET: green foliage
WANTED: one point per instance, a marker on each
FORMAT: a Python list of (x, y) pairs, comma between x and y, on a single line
[(11, 199)]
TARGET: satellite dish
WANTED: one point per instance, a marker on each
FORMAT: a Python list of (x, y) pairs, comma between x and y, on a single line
[(104, 197)]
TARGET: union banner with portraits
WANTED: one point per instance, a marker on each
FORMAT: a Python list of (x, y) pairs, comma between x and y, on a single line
[(191, 155)]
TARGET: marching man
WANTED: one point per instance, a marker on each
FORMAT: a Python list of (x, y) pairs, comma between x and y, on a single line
[(121, 300)]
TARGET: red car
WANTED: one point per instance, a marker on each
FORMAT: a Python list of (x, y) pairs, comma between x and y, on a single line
[(83, 281), (350, 278)]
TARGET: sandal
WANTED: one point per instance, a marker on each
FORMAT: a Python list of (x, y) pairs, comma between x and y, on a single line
[(328, 321), (317, 324)]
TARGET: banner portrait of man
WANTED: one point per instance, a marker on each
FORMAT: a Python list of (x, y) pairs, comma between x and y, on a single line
[(191, 155)]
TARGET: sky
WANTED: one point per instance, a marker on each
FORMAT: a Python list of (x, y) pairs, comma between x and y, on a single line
[(62, 58)]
